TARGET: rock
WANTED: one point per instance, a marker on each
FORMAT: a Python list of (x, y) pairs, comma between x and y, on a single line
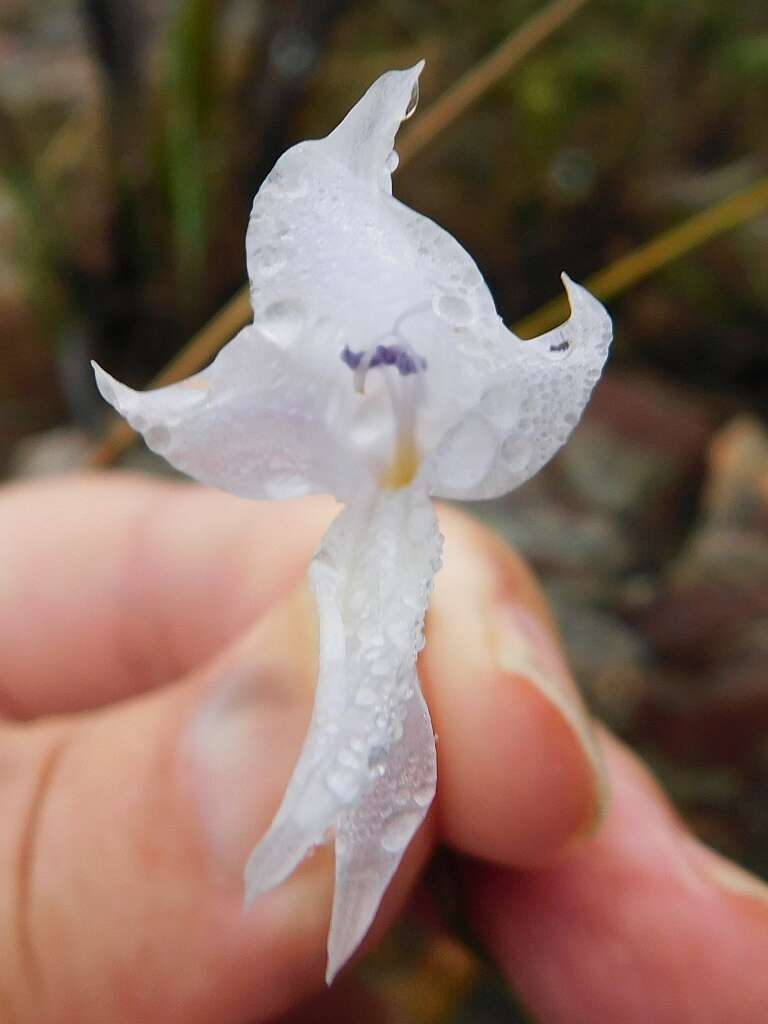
[(61, 450), (736, 493)]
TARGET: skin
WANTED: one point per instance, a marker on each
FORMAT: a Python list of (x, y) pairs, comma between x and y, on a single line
[(157, 663)]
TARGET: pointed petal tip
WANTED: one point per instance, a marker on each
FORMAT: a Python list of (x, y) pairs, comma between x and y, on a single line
[(107, 385), (253, 888), (257, 877), (578, 295)]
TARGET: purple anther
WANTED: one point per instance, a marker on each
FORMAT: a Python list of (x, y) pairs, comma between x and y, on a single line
[(404, 359), (385, 355), (352, 359), (405, 363)]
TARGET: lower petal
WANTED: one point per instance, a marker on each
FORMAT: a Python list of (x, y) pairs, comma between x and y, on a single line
[(367, 770)]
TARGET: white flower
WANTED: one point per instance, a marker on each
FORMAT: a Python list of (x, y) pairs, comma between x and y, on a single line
[(378, 370)]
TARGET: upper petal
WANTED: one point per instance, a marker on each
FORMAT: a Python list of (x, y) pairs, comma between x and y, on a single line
[(364, 139), (328, 242), (528, 408), (256, 423)]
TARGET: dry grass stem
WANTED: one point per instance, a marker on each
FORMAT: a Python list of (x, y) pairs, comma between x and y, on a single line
[(658, 253)]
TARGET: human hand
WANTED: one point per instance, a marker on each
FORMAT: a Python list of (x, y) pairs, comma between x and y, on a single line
[(157, 665)]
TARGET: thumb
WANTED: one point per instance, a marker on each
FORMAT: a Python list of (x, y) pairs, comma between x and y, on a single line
[(134, 825)]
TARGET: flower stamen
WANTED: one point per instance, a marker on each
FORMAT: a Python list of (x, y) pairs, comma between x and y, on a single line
[(404, 394)]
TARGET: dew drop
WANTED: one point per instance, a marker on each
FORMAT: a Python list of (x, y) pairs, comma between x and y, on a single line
[(516, 452), (453, 309), (287, 183), (268, 260), (348, 759), (282, 320), (344, 783), (398, 831), (467, 453), (413, 102), (158, 437), (365, 697), (392, 161), (424, 794), (377, 761)]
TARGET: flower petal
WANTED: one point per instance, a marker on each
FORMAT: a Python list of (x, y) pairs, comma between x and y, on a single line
[(367, 769), (254, 423), (328, 242), (528, 409), (365, 137)]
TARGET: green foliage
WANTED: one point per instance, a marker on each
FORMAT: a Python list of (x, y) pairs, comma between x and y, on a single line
[(189, 104)]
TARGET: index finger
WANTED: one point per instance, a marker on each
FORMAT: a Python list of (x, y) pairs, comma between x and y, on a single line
[(113, 585)]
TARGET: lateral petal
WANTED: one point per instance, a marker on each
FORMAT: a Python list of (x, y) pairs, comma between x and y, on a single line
[(257, 422), (528, 408)]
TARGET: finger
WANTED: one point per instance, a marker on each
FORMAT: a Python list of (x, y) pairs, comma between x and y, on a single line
[(137, 823), (110, 586), (519, 773), (145, 812), (642, 923)]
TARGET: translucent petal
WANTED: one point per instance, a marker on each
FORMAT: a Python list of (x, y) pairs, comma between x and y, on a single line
[(256, 422), (529, 407), (367, 769), (364, 139), (329, 243)]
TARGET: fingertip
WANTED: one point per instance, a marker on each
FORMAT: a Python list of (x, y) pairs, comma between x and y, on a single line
[(520, 777), (640, 923)]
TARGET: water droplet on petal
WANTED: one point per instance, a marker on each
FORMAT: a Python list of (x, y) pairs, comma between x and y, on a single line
[(413, 102), (282, 320), (344, 782), (453, 309), (268, 260), (377, 761), (424, 794), (348, 759), (287, 183), (516, 452), (365, 697), (158, 437), (467, 453), (398, 830)]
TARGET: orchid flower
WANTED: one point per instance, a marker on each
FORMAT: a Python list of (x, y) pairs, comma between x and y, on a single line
[(376, 369)]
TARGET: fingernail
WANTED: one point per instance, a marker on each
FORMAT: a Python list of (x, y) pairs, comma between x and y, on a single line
[(729, 876), (243, 735), (525, 647)]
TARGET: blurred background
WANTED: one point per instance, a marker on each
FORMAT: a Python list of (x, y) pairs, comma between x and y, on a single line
[(133, 135)]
